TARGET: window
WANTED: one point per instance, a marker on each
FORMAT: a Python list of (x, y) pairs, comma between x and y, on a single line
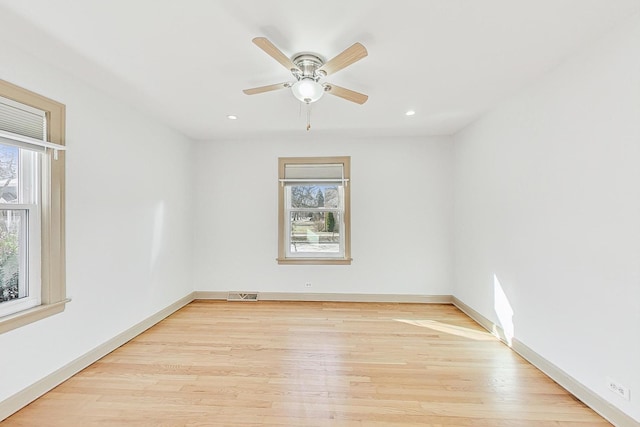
[(314, 217), (19, 227), (32, 275)]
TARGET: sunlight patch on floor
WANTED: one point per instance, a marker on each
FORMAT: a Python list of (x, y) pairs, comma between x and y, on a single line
[(450, 329)]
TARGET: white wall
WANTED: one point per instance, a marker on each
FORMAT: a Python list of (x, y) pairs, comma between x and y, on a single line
[(547, 199), (546, 202), (129, 191), (401, 219)]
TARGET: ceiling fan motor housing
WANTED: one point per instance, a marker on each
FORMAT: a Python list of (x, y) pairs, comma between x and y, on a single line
[(308, 63)]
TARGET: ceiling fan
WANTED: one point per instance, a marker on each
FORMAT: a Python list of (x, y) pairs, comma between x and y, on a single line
[(308, 69)]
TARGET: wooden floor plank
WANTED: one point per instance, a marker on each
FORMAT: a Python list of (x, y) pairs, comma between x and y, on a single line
[(217, 363)]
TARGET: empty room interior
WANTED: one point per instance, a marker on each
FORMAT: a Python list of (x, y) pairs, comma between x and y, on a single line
[(340, 213)]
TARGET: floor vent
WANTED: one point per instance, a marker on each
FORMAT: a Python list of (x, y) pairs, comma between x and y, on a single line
[(242, 296)]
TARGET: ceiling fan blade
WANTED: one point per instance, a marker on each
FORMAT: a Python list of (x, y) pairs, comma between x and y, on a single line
[(271, 50), (269, 88), (348, 94), (348, 56)]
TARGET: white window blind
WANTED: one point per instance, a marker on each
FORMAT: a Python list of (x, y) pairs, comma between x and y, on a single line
[(22, 120), (24, 127), (313, 173)]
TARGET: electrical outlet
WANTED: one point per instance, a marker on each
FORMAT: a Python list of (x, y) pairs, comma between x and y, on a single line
[(307, 285), (618, 388)]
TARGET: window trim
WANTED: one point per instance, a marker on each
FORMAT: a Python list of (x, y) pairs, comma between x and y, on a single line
[(282, 230), (52, 216)]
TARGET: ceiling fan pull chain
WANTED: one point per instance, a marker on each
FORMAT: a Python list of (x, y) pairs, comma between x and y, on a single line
[(308, 117)]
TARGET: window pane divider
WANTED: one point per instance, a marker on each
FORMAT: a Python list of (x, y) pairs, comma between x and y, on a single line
[(339, 210), (17, 206), (285, 180)]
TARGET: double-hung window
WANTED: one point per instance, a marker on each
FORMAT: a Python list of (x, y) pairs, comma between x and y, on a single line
[(314, 218), (20, 167), (31, 207)]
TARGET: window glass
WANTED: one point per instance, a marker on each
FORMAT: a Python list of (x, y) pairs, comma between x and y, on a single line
[(13, 251), (315, 232), (9, 164), (315, 196)]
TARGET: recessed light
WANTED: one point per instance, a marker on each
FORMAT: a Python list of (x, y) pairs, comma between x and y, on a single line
[(232, 117), (410, 113)]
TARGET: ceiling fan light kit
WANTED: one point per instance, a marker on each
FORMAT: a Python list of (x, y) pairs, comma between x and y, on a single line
[(307, 90), (308, 69)]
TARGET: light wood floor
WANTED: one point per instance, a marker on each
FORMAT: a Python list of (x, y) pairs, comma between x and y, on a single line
[(310, 364)]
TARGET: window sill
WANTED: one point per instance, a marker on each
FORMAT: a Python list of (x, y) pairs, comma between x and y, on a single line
[(314, 261), (22, 318)]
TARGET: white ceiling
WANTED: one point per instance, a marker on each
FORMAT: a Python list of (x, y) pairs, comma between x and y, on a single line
[(186, 62)]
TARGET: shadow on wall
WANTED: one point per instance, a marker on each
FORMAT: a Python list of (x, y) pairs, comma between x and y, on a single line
[(156, 243)]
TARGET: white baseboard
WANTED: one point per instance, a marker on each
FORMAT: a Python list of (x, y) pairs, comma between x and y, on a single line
[(23, 398), (333, 297), (217, 295), (591, 399)]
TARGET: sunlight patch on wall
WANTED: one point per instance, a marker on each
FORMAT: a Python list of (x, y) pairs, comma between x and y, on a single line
[(503, 309)]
